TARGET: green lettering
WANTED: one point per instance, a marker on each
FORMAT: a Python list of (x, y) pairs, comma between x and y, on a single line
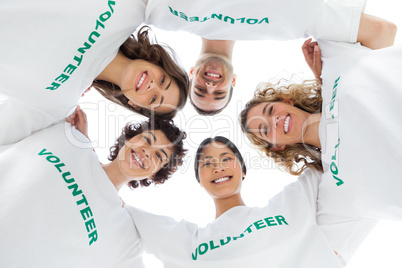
[(196, 254), (248, 230), (182, 15), (74, 187), (241, 20), (90, 225), (281, 219), (58, 166), (232, 21), (96, 34), (223, 241), (65, 174), (237, 237), (194, 19), (53, 86), (98, 23), (82, 201), (110, 3), (105, 16), (336, 81), (252, 21), (205, 19), (270, 221), (70, 69), (82, 50), (202, 252), (93, 236), (334, 168), (211, 244), (259, 224), (340, 182), (53, 159), (43, 152), (86, 213), (219, 17), (62, 78), (174, 12), (264, 20), (78, 60)]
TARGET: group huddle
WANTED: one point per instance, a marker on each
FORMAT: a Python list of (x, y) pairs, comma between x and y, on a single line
[(60, 207)]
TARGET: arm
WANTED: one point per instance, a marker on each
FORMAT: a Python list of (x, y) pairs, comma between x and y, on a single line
[(376, 33)]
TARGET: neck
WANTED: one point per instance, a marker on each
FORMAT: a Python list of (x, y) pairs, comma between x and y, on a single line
[(222, 47), (224, 204), (115, 176), (114, 70), (311, 135)]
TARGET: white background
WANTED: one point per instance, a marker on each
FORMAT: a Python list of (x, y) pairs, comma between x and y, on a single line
[(181, 197)]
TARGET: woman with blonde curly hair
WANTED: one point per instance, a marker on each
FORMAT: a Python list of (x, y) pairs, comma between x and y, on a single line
[(306, 97), (347, 127)]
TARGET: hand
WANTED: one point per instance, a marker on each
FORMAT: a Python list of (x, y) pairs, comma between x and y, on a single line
[(78, 119), (312, 55)]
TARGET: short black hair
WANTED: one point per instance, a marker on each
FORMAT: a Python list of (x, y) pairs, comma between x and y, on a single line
[(224, 141), (213, 112)]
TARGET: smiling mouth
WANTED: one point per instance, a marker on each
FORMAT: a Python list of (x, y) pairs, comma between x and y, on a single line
[(222, 179), (137, 160), (212, 75), (141, 81), (286, 124)]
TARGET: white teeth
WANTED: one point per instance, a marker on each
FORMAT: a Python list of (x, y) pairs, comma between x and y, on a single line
[(213, 75), (138, 160), (221, 179), (286, 124), (141, 80)]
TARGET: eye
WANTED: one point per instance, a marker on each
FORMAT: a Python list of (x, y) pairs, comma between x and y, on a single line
[(159, 157), (153, 99), (148, 140), (226, 159), (201, 90), (163, 79), (271, 109), (206, 164)]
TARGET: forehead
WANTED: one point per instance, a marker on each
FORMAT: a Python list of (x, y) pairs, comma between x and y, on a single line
[(215, 149)]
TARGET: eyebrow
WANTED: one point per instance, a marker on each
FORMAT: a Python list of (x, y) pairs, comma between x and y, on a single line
[(265, 132), (163, 151), (209, 157), (152, 135), (220, 98), (199, 95), (163, 98)]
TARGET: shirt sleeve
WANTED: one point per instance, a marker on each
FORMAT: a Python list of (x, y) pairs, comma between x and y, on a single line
[(18, 120)]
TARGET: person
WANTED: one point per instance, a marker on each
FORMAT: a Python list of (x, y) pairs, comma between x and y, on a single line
[(345, 127), (60, 206), (46, 64), (284, 233), (220, 24)]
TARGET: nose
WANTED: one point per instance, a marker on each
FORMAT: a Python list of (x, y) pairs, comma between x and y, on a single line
[(146, 152), (152, 86), (218, 168), (210, 86), (276, 120)]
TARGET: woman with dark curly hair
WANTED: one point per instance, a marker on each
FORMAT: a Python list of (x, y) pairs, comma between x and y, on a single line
[(66, 203), (46, 64), (347, 127)]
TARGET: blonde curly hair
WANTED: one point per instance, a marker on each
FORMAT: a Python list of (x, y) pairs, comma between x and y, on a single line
[(306, 96)]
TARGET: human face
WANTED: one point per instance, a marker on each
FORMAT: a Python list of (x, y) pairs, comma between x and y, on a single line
[(280, 123), (144, 155), (212, 78), (148, 86), (220, 171)]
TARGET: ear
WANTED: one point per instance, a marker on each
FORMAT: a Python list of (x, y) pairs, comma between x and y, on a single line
[(277, 148), (243, 176), (135, 106), (234, 80), (191, 73), (290, 102)]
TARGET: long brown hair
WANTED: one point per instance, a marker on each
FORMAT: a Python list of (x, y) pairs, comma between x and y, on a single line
[(163, 56), (297, 157)]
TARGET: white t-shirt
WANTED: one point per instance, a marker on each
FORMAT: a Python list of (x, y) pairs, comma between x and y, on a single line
[(360, 132), (50, 53), (282, 234), (336, 20), (58, 207)]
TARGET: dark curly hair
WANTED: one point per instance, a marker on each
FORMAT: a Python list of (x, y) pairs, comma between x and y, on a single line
[(162, 56), (172, 133)]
